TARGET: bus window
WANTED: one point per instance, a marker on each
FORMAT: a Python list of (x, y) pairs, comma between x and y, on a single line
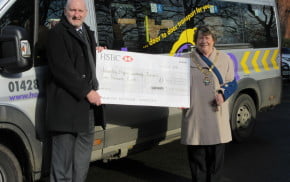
[(20, 14), (161, 26), (124, 22), (260, 26), (104, 24), (238, 24), (50, 12), (226, 19), (141, 26), (252, 25)]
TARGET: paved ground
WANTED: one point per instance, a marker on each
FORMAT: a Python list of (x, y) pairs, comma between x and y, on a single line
[(265, 157)]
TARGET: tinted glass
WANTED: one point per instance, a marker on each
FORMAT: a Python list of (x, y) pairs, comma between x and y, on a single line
[(285, 50), (161, 26), (139, 25), (20, 14), (260, 26), (50, 12), (236, 23)]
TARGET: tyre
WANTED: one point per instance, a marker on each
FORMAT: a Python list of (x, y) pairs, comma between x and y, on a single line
[(243, 118), (10, 170)]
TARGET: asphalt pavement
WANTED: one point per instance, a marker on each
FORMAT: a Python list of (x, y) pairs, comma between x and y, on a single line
[(265, 157)]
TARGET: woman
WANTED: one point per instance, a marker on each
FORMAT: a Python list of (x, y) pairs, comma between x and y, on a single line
[(205, 125)]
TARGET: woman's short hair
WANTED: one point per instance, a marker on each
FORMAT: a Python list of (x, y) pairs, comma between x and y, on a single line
[(204, 30)]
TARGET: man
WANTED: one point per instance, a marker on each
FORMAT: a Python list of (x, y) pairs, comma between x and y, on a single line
[(71, 93), (205, 125)]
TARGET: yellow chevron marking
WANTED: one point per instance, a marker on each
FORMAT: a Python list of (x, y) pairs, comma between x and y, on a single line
[(274, 59), (254, 61), (264, 60), (244, 62)]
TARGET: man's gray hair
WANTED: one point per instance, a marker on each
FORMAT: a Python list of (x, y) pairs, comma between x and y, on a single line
[(69, 1)]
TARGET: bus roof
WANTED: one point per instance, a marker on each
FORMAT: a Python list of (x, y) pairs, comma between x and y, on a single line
[(262, 2)]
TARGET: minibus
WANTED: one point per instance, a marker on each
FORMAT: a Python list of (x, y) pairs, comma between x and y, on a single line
[(248, 31)]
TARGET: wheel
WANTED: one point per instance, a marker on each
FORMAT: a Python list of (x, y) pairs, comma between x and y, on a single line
[(10, 170), (243, 118)]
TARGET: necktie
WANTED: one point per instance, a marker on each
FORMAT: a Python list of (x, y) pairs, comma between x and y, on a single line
[(81, 34)]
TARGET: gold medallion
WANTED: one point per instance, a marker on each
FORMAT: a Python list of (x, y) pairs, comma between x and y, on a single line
[(205, 71), (206, 81)]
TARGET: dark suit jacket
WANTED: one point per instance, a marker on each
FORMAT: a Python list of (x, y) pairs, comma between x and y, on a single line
[(69, 83)]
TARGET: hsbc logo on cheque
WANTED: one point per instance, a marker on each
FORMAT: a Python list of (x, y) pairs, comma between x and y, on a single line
[(128, 58), (116, 57)]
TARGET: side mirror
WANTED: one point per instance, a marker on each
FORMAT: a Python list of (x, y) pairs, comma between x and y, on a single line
[(15, 53)]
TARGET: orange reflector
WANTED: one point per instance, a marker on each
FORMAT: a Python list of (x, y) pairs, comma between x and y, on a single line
[(25, 48), (97, 142)]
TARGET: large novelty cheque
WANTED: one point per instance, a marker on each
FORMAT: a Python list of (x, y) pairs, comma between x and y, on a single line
[(129, 78)]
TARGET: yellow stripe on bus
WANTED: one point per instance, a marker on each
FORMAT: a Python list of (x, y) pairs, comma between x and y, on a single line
[(146, 24), (254, 61), (244, 62), (274, 59), (264, 60)]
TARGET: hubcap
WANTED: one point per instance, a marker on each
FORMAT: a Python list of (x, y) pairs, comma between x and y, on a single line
[(243, 117)]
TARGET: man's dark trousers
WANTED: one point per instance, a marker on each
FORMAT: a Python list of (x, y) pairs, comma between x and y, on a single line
[(71, 155)]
